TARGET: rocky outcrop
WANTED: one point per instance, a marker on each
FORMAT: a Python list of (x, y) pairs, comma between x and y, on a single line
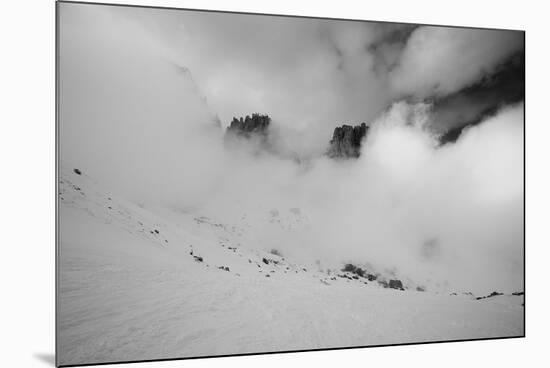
[(346, 141), (493, 294), (396, 284), (255, 125)]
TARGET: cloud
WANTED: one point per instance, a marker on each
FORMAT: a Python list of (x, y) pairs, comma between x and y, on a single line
[(437, 61), (134, 120), (127, 114), (405, 191), (313, 75), (309, 76)]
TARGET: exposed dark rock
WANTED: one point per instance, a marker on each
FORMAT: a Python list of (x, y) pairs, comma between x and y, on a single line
[(198, 259), (264, 260), (518, 293), (396, 284), (494, 293), (349, 268), (346, 141), (420, 288), (383, 283), (251, 125), (77, 172), (371, 277), (224, 268)]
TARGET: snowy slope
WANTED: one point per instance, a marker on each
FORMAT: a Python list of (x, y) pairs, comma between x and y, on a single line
[(137, 284)]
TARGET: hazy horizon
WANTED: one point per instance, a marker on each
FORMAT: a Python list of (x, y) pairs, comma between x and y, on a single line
[(146, 94)]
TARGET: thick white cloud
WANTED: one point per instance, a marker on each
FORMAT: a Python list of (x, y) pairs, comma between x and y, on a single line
[(312, 75), (132, 120), (127, 115), (438, 61)]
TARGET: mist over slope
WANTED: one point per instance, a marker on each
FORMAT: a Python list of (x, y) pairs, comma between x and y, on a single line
[(137, 282), (185, 231), (134, 117)]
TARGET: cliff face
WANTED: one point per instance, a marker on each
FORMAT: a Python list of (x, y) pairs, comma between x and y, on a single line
[(346, 141), (251, 125)]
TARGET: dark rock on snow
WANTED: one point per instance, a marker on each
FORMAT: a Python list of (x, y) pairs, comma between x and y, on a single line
[(371, 277), (396, 284), (494, 293), (348, 267)]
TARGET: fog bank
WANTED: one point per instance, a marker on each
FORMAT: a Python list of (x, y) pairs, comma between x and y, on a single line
[(135, 119)]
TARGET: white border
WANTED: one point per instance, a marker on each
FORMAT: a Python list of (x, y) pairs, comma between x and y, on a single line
[(27, 183)]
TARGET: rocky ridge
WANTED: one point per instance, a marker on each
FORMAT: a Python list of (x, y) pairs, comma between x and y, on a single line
[(346, 141)]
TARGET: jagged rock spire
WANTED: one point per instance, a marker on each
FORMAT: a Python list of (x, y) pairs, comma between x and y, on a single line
[(255, 124), (346, 141)]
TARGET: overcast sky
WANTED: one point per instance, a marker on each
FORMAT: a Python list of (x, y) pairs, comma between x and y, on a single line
[(317, 74), (142, 93)]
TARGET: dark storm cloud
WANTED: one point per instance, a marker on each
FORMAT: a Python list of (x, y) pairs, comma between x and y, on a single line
[(471, 105), (387, 50), (438, 61)]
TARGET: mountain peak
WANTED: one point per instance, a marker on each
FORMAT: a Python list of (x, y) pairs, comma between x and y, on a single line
[(256, 124), (346, 141)]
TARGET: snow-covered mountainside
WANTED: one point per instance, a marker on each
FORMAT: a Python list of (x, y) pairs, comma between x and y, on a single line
[(137, 283)]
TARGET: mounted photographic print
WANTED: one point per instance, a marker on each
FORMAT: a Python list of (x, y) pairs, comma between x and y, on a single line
[(233, 183)]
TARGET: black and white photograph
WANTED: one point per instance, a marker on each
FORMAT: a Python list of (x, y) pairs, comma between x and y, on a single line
[(234, 183)]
